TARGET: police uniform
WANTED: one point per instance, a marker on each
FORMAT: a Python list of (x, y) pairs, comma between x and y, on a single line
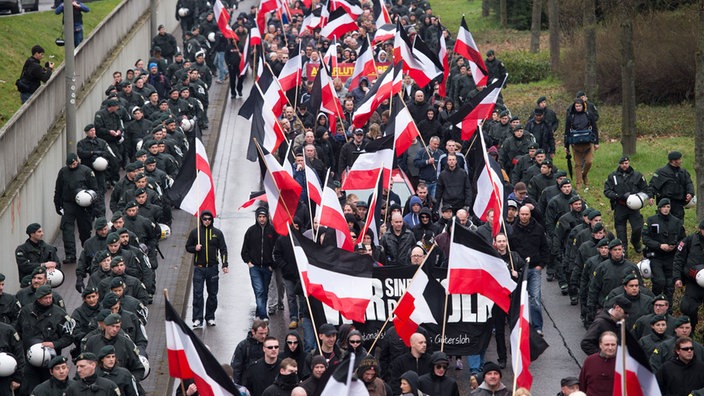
[(53, 386), (147, 231), (618, 187), (92, 385), (10, 343), (125, 350), (133, 286), (661, 229), (119, 375), (68, 183), (689, 259), (31, 255), (673, 183), (131, 324), (91, 247), (85, 317), (88, 150), (38, 323), (608, 275), (106, 121)]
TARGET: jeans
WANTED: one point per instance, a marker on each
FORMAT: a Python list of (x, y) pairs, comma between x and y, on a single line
[(220, 64), (292, 299), (210, 277), (24, 96), (77, 37), (476, 363), (536, 306), (431, 189), (260, 277)]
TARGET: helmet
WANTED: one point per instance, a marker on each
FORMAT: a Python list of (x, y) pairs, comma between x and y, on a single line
[(692, 203), (39, 356), (165, 231), (55, 277), (636, 201), (700, 278), (85, 198), (8, 364), (183, 11), (145, 363), (644, 267), (187, 124), (140, 142), (100, 164), (211, 37)]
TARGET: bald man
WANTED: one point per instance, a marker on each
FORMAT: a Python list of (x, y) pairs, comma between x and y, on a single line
[(415, 360)]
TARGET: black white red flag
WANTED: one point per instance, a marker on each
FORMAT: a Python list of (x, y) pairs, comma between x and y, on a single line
[(421, 303), (487, 183), (378, 155), (478, 108), (283, 193), (639, 378), (467, 48), (193, 190)]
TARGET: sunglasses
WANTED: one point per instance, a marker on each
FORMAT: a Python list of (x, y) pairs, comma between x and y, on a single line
[(355, 341), (687, 349), (441, 366), (272, 347), (292, 342), (207, 219)]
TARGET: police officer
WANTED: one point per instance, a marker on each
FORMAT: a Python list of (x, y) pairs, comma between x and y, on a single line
[(110, 127), (9, 306), (619, 185), (127, 302), (71, 179), (560, 241), (85, 317), (134, 286), (91, 247), (131, 324), (608, 275), (148, 232), (88, 381), (58, 382), (208, 246), (89, 150), (28, 295), (673, 182), (45, 323), (137, 263), (10, 343), (34, 252), (125, 350), (661, 235), (108, 368), (689, 260)]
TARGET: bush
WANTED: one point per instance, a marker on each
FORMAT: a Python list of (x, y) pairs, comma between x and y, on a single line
[(524, 67), (664, 62)]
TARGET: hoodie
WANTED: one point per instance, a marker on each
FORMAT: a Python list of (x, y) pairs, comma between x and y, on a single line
[(212, 243)]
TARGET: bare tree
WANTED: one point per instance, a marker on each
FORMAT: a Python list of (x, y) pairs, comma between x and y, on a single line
[(554, 26), (503, 14), (535, 26), (699, 107), (486, 6), (589, 20), (628, 84)]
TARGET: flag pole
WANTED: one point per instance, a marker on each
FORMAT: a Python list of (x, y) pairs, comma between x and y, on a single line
[(295, 97), (166, 296), (624, 388), (369, 43), (518, 355), (317, 231), (261, 153), (444, 315), (419, 136), (277, 82), (305, 293), (371, 213), (420, 268)]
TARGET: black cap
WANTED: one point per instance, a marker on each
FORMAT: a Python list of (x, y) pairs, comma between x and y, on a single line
[(569, 381), (362, 204), (116, 260), (87, 356), (597, 227), (71, 158), (602, 242), (106, 350), (491, 366), (32, 228), (680, 320), (359, 131), (622, 302), (538, 111), (327, 329), (42, 291), (57, 360), (88, 291), (540, 99), (100, 223), (657, 318), (663, 202), (112, 238), (565, 181), (574, 199), (593, 214), (88, 127), (580, 94), (112, 319), (614, 243), (623, 159), (628, 278), (110, 300), (674, 155)]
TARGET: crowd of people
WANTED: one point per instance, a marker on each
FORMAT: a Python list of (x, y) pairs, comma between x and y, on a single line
[(143, 128)]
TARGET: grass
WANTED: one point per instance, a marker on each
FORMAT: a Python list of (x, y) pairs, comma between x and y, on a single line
[(24, 31)]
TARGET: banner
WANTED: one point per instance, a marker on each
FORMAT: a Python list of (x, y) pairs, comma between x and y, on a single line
[(468, 329), (345, 71)]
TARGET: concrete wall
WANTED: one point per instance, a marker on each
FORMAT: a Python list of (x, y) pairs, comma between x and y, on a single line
[(32, 143)]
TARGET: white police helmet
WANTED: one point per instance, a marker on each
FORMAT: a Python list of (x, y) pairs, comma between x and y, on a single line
[(100, 164), (145, 363), (85, 198), (692, 203), (644, 267), (165, 231), (55, 277), (8, 364), (211, 37), (183, 11), (637, 201), (39, 355)]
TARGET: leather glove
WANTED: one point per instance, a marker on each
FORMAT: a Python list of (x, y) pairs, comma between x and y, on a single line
[(625, 196), (59, 210), (79, 285)]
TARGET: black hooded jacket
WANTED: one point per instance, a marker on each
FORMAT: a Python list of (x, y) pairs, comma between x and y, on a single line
[(212, 241)]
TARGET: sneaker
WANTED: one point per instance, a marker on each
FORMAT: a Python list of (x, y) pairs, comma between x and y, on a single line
[(563, 290), (293, 325), (574, 300), (540, 333), (272, 310), (550, 277), (197, 324), (69, 260), (211, 322), (458, 364)]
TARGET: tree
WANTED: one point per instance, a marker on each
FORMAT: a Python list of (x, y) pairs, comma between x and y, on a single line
[(699, 108), (628, 84), (486, 6), (535, 26), (503, 14), (589, 20), (554, 27)]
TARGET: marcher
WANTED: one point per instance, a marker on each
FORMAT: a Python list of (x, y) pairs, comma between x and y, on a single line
[(209, 248), (249, 350), (78, 9), (492, 385), (257, 253), (436, 382), (597, 374), (687, 263), (582, 135), (33, 74), (673, 182), (684, 373)]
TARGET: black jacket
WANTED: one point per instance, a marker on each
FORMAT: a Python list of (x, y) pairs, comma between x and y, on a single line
[(258, 245), (33, 74), (214, 247), (529, 241)]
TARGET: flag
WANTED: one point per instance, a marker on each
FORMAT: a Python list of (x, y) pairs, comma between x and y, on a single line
[(274, 96), (283, 193), (487, 184), (377, 155), (340, 22), (373, 220), (385, 32), (475, 267), (265, 7), (223, 18), (342, 381), (290, 75), (315, 192), (640, 380), (338, 278), (382, 89), (430, 62), (265, 127), (189, 358), (255, 36), (364, 65), (421, 303), (520, 338), (244, 59), (422, 70), (467, 48), (327, 101), (478, 108), (193, 190), (254, 197), (330, 57), (352, 7), (314, 20), (445, 61), (381, 14), (402, 126), (330, 215)]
